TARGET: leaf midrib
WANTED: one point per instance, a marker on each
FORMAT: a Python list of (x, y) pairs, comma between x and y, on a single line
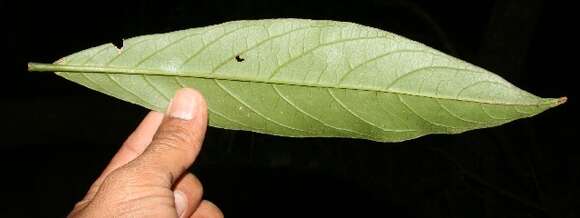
[(151, 72)]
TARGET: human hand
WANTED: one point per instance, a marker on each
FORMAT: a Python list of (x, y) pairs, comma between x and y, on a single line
[(148, 176)]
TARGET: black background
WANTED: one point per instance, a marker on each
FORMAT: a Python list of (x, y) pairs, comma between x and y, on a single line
[(57, 136)]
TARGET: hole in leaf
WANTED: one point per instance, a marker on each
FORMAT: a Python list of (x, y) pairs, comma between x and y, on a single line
[(239, 59), (118, 44)]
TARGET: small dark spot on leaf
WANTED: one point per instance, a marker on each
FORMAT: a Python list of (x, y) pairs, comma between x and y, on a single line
[(239, 59)]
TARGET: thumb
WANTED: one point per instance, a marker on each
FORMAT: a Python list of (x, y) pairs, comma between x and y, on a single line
[(177, 142)]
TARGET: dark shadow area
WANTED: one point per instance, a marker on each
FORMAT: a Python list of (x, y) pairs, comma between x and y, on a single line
[(57, 136)]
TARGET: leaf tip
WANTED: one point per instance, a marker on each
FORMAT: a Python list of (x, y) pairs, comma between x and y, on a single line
[(554, 102), (560, 101)]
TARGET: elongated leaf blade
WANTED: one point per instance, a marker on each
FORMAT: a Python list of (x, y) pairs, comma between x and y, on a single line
[(305, 78)]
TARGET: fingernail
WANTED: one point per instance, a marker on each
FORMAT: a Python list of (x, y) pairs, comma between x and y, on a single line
[(180, 202), (182, 105)]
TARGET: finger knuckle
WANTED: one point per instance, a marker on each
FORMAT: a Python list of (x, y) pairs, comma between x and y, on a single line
[(174, 137)]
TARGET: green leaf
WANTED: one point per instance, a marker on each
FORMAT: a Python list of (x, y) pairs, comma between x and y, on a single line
[(305, 78)]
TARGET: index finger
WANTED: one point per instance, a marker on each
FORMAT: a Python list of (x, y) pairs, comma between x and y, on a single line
[(136, 143)]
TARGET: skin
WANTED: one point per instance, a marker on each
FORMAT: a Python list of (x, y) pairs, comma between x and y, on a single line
[(148, 176)]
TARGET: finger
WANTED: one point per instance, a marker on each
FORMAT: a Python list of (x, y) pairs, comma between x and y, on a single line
[(177, 141), (133, 147), (207, 210), (136, 143), (190, 191)]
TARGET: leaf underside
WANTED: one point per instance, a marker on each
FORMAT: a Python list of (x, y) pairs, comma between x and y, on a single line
[(305, 78)]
